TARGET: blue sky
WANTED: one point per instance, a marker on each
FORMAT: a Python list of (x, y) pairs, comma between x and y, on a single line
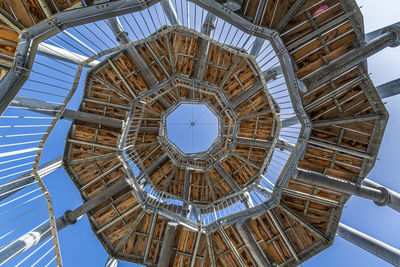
[(80, 247)]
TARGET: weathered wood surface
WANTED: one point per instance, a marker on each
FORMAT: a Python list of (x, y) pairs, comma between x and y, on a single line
[(313, 40)]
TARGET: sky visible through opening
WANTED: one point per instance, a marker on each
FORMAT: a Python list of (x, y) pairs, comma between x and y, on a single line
[(79, 246), (192, 128)]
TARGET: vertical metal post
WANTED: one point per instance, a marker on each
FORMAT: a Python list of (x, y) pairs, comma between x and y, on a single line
[(166, 248), (376, 247)]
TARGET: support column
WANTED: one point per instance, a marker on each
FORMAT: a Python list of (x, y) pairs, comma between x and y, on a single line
[(59, 53), (168, 242), (43, 232), (111, 262), (391, 37), (394, 201), (122, 38), (252, 244), (376, 247), (389, 89), (43, 107), (380, 195), (10, 188), (207, 28), (256, 48), (170, 12)]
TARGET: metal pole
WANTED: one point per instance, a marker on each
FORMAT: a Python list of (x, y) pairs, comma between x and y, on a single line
[(389, 89), (394, 201), (376, 247), (43, 107), (111, 262), (166, 248), (391, 37), (256, 48), (22, 181), (43, 232), (252, 244), (122, 38), (55, 52), (380, 195), (170, 12)]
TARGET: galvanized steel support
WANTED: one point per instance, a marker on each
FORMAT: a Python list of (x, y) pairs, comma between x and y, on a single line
[(24, 180), (256, 48), (122, 38), (43, 107), (380, 195), (370, 244), (391, 37), (167, 244), (41, 233), (170, 12), (252, 244), (111, 262), (58, 53), (389, 89)]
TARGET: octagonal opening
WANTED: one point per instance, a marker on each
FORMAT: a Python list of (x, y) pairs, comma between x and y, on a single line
[(193, 128)]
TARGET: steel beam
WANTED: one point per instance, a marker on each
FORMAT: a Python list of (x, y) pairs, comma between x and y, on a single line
[(24, 180), (122, 38), (167, 244), (46, 108), (186, 192), (289, 15), (256, 48), (170, 12), (389, 89), (394, 197), (43, 232), (380, 195), (150, 238), (111, 262), (370, 244), (228, 179), (207, 28), (257, 86), (283, 234), (196, 248), (63, 54), (281, 144), (252, 244), (372, 35), (344, 120), (391, 37), (155, 164), (235, 252), (211, 250), (335, 92), (341, 149)]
